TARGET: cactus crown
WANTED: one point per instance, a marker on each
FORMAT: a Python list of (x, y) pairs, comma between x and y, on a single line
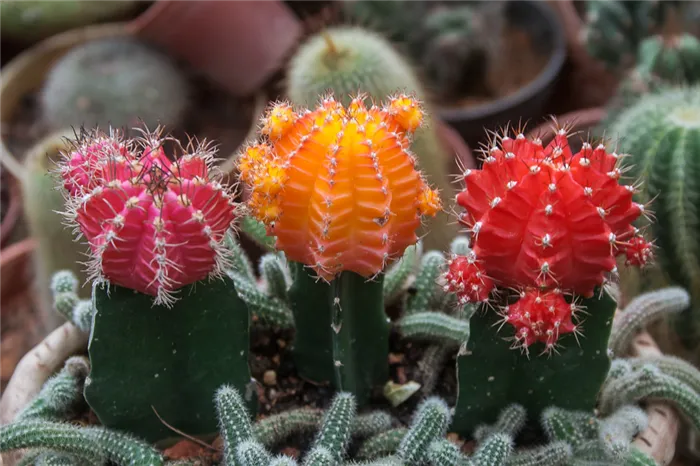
[(334, 181), (133, 205)]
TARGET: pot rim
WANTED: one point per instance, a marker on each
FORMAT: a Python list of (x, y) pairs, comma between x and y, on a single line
[(544, 79)]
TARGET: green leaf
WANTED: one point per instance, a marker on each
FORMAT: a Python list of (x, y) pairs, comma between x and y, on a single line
[(173, 360)]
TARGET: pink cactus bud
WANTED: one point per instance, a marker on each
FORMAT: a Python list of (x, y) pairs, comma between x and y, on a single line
[(467, 280), (153, 225)]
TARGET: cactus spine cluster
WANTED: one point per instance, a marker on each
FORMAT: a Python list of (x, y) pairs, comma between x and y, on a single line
[(351, 60), (116, 82), (659, 132)]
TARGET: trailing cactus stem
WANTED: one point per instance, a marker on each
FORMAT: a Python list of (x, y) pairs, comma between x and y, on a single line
[(672, 366), (494, 451), (426, 282), (358, 319), (382, 444), (95, 444), (551, 454), (435, 326), (235, 423), (429, 423), (334, 435), (342, 331)]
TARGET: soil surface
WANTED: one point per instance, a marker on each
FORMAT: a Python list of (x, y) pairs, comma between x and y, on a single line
[(517, 64)]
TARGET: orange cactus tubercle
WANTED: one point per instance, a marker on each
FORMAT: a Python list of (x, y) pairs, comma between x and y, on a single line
[(337, 186)]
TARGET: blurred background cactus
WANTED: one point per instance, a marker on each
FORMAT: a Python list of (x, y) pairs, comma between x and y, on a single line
[(27, 21), (452, 44), (117, 82), (660, 133)]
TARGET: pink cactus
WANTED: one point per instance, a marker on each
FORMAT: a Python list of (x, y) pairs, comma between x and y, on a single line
[(153, 225)]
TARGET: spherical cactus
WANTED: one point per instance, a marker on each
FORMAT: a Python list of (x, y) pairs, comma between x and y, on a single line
[(348, 60), (153, 224), (545, 221), (675, 60), (114, 82), (31, 20), (613, 29), (662, 132), (338, 186)]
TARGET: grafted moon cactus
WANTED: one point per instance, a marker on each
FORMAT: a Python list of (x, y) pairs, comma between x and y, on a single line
[(545, 221), (153, 224), (338, 187)]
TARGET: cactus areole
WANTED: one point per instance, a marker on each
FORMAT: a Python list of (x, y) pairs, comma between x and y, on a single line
[(338, 186), (547, 223), (153, 224)]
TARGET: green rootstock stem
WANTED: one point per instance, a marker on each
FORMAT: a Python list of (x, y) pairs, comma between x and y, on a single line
[(342, 331), (147, 358), (491, 375)]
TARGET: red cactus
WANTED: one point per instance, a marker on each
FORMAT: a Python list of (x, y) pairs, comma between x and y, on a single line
[(543, 218), (467, 280), (153, 225), (540, 317)]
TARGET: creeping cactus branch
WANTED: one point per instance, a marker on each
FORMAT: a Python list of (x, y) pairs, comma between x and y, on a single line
[(156, 228), (553, 198), (340, 214), (61, 395), (94, 444)]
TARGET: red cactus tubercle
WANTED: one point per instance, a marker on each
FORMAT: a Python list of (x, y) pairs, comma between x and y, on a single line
[(544, 218), (153, 225)]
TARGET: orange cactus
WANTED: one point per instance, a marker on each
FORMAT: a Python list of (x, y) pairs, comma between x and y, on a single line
[(339, 187)]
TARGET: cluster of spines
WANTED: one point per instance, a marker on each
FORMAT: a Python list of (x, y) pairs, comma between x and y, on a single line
[(522, 179), (64, 288), (303, 175), (124, 196)]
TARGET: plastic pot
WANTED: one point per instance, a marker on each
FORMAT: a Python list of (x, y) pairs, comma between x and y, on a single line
[(586, 82), (540, 21), (237, 44)]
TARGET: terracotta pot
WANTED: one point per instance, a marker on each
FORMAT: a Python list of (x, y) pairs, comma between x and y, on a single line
[(580, 121), (587, 82), (239, 45)]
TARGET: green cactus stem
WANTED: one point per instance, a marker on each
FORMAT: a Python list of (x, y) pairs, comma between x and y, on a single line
[(492, 375), (435, 326), (64, 286), (672, 366), (510, 421), (114, 82), (94, 444), (495, 450), (342, 331), (348, 60), (203, 337), (256, 231), (429, 423), (333, 438), (551, 454), (61, 396), (619, 429), (398, 277), (382, 444), (662, 130)]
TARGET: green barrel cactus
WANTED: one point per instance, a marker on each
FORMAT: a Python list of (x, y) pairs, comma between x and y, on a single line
[(661, 134), (675, 60), (349, 60), (114, 82)]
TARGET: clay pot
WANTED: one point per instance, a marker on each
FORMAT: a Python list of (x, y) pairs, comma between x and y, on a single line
[(15, 272), (586, 82), (239, 45), (540, 22), (579, 122)]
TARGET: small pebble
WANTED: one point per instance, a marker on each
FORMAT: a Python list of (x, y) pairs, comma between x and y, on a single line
[(270, 378)]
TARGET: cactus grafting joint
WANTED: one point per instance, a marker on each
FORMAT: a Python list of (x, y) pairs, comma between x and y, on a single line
[(339, 187), (548, 223), (153, 224)]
